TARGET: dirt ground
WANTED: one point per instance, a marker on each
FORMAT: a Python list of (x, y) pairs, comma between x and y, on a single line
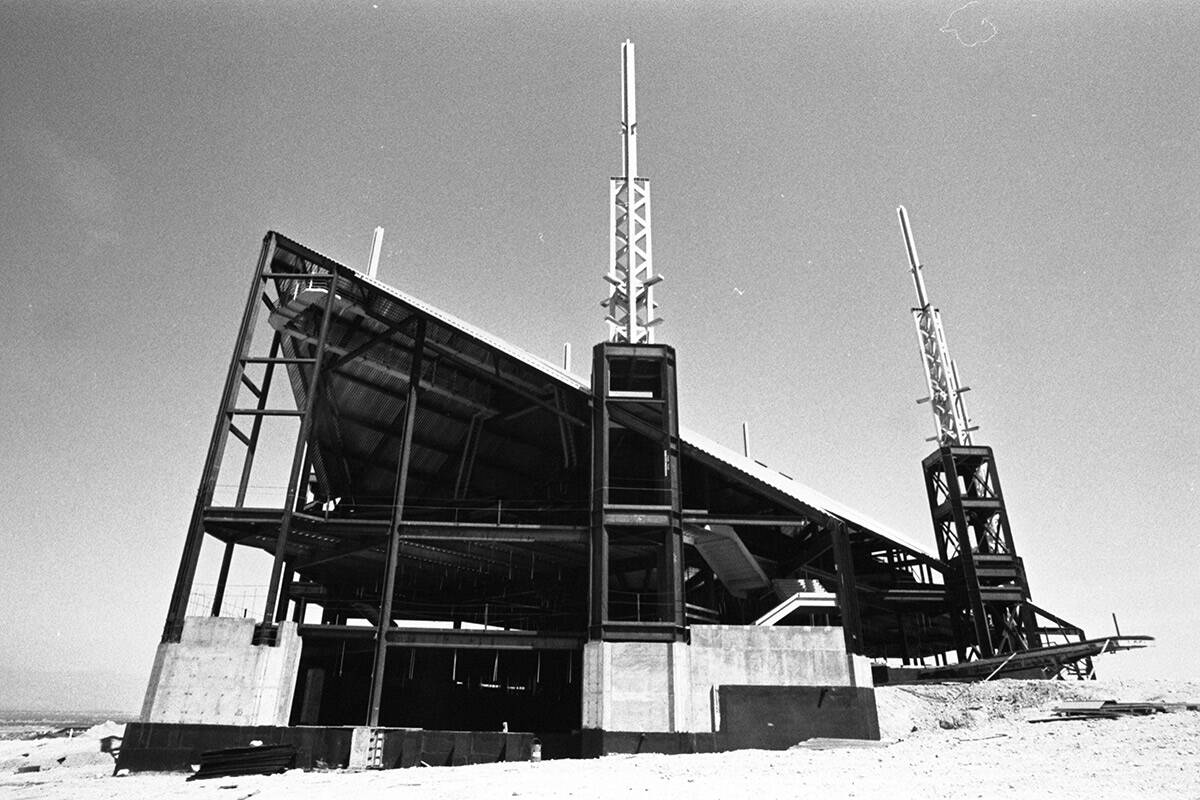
[(942, 740)]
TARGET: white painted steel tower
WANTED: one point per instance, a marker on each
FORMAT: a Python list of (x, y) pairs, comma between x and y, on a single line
[(941, 373), (630, 301)]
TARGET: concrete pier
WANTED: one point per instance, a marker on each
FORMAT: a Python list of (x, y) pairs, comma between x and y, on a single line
[(214, 676)]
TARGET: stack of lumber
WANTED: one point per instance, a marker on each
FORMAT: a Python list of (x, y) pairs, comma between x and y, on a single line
[(265, 759), (1111, 709)]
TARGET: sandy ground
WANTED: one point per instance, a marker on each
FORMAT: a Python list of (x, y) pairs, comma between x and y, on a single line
[(946, 740)]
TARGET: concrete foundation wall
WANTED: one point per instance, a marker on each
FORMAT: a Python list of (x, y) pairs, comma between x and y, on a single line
[(214, 676), (674, 687), (749, 655), (173, 747)]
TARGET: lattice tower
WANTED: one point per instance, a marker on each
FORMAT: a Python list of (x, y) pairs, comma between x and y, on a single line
[(630, 303), (952, 425)]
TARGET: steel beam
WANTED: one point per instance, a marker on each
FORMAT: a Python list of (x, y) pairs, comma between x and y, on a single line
[(450, 638)]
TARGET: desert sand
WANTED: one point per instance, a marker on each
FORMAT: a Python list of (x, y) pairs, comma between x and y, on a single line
[(942, 740)]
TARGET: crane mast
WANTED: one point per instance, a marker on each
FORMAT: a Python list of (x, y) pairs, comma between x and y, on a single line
[(952, 425)]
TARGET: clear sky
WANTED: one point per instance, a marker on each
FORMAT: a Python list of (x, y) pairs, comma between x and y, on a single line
[(1047, 152)]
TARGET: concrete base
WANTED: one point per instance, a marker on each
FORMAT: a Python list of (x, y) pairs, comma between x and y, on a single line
[(759, 717), (214, 676), (174, 747), (673, 687)]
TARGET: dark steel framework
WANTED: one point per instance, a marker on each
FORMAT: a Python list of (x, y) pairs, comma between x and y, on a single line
[(637, 513), (458, 518), (989, 592)]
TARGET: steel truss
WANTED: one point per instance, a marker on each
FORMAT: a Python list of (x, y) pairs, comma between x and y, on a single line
[(630, 303)]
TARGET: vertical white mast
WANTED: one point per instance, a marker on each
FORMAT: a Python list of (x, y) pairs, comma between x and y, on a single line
[(630, 301), (376, 247), (941, 374)]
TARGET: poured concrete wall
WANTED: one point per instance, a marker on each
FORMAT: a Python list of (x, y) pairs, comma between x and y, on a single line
[(214, 676), (174, 747), (635, 686), (674, 687)]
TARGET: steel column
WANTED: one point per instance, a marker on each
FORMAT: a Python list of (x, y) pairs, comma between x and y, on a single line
[(393, 553), (847, 589)]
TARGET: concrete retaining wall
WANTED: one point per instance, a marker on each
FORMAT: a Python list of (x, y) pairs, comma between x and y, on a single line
[(214, 676), (673, 687)]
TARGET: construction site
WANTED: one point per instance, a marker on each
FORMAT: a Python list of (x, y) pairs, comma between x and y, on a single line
[(476, 555)]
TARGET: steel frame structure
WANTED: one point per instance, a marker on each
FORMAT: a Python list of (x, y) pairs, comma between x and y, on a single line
[(332, 327), (990, 600), (439, 476), (993, 613), (636, 494)]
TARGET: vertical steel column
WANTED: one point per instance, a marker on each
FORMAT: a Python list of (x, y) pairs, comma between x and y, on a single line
[(598, 541), (285, 590), (222, 579), (216, 450), (673, 551), (843, 556), (393, 551), (266, 634)]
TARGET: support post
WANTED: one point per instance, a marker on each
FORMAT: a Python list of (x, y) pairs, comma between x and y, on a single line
[(843, 556), (222, 579), (393, 550)]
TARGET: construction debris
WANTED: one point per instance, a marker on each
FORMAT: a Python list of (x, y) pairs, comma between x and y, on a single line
[(262, 760), (830, 743), (1111, 709)]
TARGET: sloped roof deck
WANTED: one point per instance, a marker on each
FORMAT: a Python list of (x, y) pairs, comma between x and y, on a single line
[(472, 378), (501, 438), (482, 415), (481, 373)]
